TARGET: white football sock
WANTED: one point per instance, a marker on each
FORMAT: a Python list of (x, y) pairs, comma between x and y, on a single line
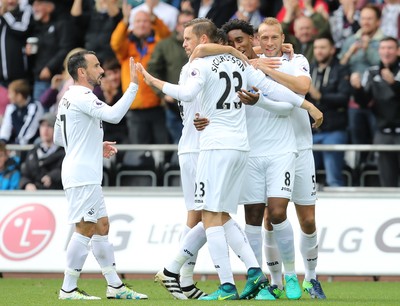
[(254, 235), (185, 230), (103, 251), (285, 241), (239, 243), (198, 235), (77, 252), (219, 252), (309, 251), (273, 257), (190, 245)]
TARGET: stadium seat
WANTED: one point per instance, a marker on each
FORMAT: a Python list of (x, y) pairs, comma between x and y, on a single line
[(347, 177), (136, 178), (369, 178), (172, 178)]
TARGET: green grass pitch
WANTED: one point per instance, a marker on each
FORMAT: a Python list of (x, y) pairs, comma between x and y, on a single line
[(35, 291)]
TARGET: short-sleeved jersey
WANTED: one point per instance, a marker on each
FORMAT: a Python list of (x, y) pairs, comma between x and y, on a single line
[(298, 66), (189, 141), (79, 124)]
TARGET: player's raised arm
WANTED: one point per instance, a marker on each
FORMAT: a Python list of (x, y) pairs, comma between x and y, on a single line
[(149, 79), (182, 93), (133, 71)]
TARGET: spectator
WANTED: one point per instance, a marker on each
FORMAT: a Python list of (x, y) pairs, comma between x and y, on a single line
[(271, 8), (146, 117), (294, 8), (344, 22), (382, 84), (166, 12), (97, 24), (9, 169), (59, 84), (304, 33), (14, 27), (21, 118), (3, 102), (42, 166), (166, 62), (55, 41), (360, 51), (249, 10), (330, 91), (390, 23), (218, 11), (112, 92)]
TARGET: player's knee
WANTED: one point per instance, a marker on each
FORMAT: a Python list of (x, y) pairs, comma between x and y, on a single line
[(307, 225)]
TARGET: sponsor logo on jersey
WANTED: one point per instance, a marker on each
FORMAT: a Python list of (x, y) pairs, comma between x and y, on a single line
[(194, 73)]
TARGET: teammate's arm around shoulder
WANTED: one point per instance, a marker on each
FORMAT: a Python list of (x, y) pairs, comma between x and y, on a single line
[(204, 50)]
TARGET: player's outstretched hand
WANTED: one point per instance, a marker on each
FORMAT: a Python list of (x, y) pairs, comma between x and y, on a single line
[(133, 72), (146, 76), (247, 97), (314, 112), (108, 149), (200, 123)]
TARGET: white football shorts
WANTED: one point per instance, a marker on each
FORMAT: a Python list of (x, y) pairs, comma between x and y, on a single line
[(305, 189), (188, 166), (85, 202), (219, 180), (268, 176)]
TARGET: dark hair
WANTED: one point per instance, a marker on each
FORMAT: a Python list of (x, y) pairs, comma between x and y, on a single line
[(390, 38), (20, 86), (111, 64), (222, 37), (375, 8), (3, 146), (76, 61), (186, 13), (203, 26), (237, 24), (327, 37)]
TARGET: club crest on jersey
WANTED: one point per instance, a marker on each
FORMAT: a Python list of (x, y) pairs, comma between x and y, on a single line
[(304, 69), (98, 103), (194, 73)]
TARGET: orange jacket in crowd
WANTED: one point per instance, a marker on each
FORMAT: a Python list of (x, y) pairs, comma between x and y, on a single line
[(124, 49)]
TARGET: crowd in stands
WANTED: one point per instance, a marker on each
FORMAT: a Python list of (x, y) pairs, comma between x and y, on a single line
[(352, 47)]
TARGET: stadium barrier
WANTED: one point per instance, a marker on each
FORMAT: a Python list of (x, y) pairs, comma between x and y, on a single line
[(354, 174), (358, 230)]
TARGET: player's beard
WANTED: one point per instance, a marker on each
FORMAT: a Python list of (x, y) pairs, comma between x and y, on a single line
[(95, 82)]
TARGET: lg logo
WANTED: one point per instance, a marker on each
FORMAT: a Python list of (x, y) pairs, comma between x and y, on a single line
[(26, 231)]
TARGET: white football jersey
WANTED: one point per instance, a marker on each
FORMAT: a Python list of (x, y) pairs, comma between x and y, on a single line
[(215, 81), (297, 66), (79, 130), (189, 141), (268, 132)]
